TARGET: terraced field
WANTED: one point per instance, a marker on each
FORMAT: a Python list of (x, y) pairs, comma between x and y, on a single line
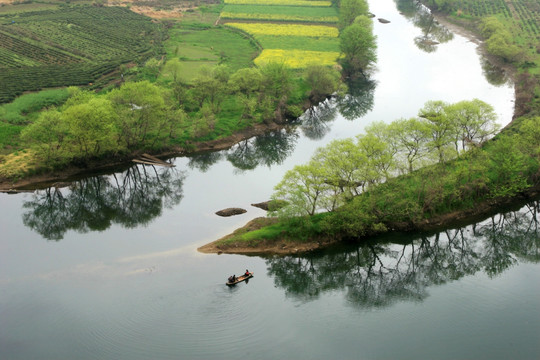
[(70, 46), (522, 17), (295, 32)]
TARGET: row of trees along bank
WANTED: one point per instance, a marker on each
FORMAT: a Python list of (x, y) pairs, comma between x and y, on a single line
[(146, 116), (409, 170)]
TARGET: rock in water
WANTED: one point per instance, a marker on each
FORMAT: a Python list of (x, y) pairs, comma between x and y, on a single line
[(231, 212)]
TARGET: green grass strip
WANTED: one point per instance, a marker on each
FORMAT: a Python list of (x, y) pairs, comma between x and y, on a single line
[(280, 2), (308, 11), (278, 17), (298, 43)]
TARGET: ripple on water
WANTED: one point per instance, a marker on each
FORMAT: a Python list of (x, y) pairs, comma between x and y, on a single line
[(194, 321)]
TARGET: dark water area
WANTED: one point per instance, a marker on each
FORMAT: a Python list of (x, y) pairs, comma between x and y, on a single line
[(107, 268)]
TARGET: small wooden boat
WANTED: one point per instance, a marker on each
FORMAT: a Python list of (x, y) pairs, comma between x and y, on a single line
[(239, 279)]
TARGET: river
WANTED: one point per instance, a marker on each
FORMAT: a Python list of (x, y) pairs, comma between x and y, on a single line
[(108, 268)]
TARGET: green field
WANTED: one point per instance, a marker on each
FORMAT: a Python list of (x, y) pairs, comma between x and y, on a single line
[(70, 46), (280, 13), (297, 34), (197, 47), (298, 43)]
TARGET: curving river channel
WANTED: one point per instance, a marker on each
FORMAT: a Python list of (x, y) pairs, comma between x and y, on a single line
[(108, 268)]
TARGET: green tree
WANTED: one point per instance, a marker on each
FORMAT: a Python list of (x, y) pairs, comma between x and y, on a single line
[(358, 46), (530, 135), (91, 126), (411, 137), (441, 128), (174, 68), (499, 39), (210, 86), (247, 81), (302, 189), (344, 166), (475, 120), (322, 80), (508, 168), (277, 86), (142, 111), (48, 133), (349, 10), (151, 69), (380, 158), (276, 81)]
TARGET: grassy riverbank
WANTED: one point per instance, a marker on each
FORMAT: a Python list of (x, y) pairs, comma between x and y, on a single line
[(475, 183)]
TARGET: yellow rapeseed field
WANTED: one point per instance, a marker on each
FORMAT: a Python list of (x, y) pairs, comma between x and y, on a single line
[(253, 16), (280, 2), (296, 59), (287, 29)]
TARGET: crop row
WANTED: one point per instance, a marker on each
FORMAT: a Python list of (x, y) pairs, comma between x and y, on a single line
[(280, 2), (312, 11), (34, 44), (296, 59), (278, 17), (17, 80), (316, 31), (11, 59), (483, 7), (41, 54)]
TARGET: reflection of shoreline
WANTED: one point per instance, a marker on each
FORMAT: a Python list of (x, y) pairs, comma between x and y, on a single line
[(377, 274), (439, 223), (132, 198)]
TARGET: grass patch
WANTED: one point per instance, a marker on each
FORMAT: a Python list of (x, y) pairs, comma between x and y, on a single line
[(298, 43), (9, 135), (25, 108), (314, 12), (209, 46), (281, 2), (278, 17)]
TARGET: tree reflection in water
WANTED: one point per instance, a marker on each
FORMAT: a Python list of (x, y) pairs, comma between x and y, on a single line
[(359, 99), (494, 75), (203, 162), (375, 275), (315, 121), (433, 32), (130, 199), (268, 149)]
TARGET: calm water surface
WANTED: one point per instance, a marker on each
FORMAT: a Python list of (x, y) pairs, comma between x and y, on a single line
[(108, 269)]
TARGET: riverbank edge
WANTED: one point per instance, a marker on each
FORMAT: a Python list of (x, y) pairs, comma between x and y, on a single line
[(284, 247), (455, 218), (40, 181)]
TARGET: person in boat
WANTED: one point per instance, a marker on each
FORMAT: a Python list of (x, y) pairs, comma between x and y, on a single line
[(246, 273), (231, 279)]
